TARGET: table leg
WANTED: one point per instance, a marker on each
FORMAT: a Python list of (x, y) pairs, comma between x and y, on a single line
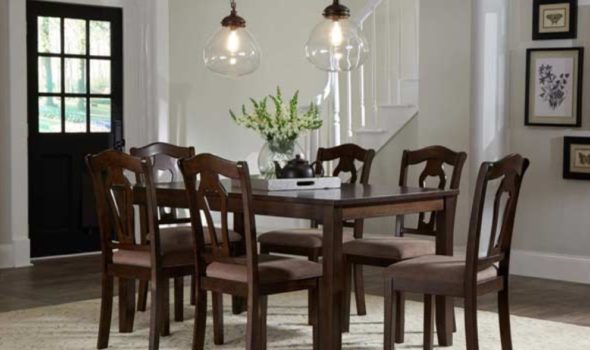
[(332, 281), (445, 222), (239, 304)]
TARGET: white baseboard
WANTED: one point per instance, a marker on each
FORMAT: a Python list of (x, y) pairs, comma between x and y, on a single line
[(6, 256), (15, 254), (568, 268)]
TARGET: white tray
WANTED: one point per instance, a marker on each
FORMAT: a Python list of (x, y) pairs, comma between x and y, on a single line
[(314, 183)]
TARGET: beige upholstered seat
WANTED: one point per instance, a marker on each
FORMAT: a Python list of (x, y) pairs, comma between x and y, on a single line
[(176, 244), (271, 269), (390, 248), (434, 274), (304, 238)]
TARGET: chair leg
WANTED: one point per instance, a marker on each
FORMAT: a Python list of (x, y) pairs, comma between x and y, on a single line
[(126, 305), (253, 327), (471, 322), (316, 324), (346, 297), (200, 319), (504, 314), (400, 317), (428, 321), (263, 312), (192, 297), (179, 299), (106, 312), (165, 308), (359, 290), (156, 289), (142, 296), (310, 297), (389, 326), (218, 333)]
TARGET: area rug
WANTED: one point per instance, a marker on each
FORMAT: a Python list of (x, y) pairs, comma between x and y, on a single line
[(74, 327)]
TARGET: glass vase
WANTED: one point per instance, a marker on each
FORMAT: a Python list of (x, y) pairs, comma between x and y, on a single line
[(276, 151)]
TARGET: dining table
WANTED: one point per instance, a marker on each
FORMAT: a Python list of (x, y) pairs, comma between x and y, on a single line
[(331, 208)]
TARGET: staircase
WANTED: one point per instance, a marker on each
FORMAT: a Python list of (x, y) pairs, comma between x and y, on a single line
[(371, 105)]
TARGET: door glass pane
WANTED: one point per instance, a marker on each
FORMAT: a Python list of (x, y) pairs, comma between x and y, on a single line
[(100, 76), (100, 114), (100, 38), (75, 114), (75, 36), (49, 74), (49, 114), (75, 75), (49, 38)]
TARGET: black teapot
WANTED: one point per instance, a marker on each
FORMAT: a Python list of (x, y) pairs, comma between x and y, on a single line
[(295, 169)]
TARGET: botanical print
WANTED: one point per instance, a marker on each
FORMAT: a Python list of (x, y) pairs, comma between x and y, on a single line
[(553, 87), (553, 90)]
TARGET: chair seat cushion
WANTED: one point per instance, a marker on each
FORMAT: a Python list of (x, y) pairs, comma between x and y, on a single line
[(142, 258), (271, 269), (300, 238), (393, 248), (177, 238), (176, 245), (434, 274)]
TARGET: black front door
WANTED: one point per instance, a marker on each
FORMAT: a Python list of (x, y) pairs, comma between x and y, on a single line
[(75, 99)]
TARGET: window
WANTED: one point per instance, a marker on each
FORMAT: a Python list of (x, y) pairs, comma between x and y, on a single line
[(74, 75)]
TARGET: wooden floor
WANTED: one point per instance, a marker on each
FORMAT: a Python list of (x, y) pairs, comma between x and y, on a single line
[(53, 282)]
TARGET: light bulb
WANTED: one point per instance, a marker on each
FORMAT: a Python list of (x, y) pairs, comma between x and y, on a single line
[(233, 42), (336, 36)]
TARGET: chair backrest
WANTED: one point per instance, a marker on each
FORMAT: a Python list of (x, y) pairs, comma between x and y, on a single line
[(434, 159), (115, 201), (509, 172), (209, 194), (346, 155), (164, 158)]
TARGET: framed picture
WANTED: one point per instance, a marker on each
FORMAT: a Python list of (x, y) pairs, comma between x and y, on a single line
[(554, 87), (555, 19), (576, 158)]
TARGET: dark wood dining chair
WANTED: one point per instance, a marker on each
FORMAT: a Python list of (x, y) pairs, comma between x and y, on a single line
[(125, 258), (308, 242), (164, 157), (253, 276), (479, 273), (384, 251)]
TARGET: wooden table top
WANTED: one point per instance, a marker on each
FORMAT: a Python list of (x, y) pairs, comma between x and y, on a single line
[(347, 195)]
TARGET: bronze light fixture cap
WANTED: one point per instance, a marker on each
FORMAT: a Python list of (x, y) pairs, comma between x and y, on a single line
[(233, 20), (336, 11)]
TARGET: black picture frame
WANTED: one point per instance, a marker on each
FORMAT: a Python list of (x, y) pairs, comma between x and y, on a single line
[(576, 120), (569, 171), (572, 27)]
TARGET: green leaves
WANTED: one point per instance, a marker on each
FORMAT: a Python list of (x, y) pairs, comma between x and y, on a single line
[(282, 123)]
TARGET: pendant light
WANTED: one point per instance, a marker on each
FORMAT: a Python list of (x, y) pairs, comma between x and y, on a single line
[(232, 51), (337, 43)]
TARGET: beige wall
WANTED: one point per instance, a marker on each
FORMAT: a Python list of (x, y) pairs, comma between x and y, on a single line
[(554, 213), (5, 235)]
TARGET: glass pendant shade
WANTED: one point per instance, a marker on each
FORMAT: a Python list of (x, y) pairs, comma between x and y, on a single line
[(232, 51), (337, 44)]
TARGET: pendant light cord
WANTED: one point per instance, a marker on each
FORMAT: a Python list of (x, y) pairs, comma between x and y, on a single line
[(232, 3)]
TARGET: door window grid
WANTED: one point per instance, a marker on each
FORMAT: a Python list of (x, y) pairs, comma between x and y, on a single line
[(77, 98)]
